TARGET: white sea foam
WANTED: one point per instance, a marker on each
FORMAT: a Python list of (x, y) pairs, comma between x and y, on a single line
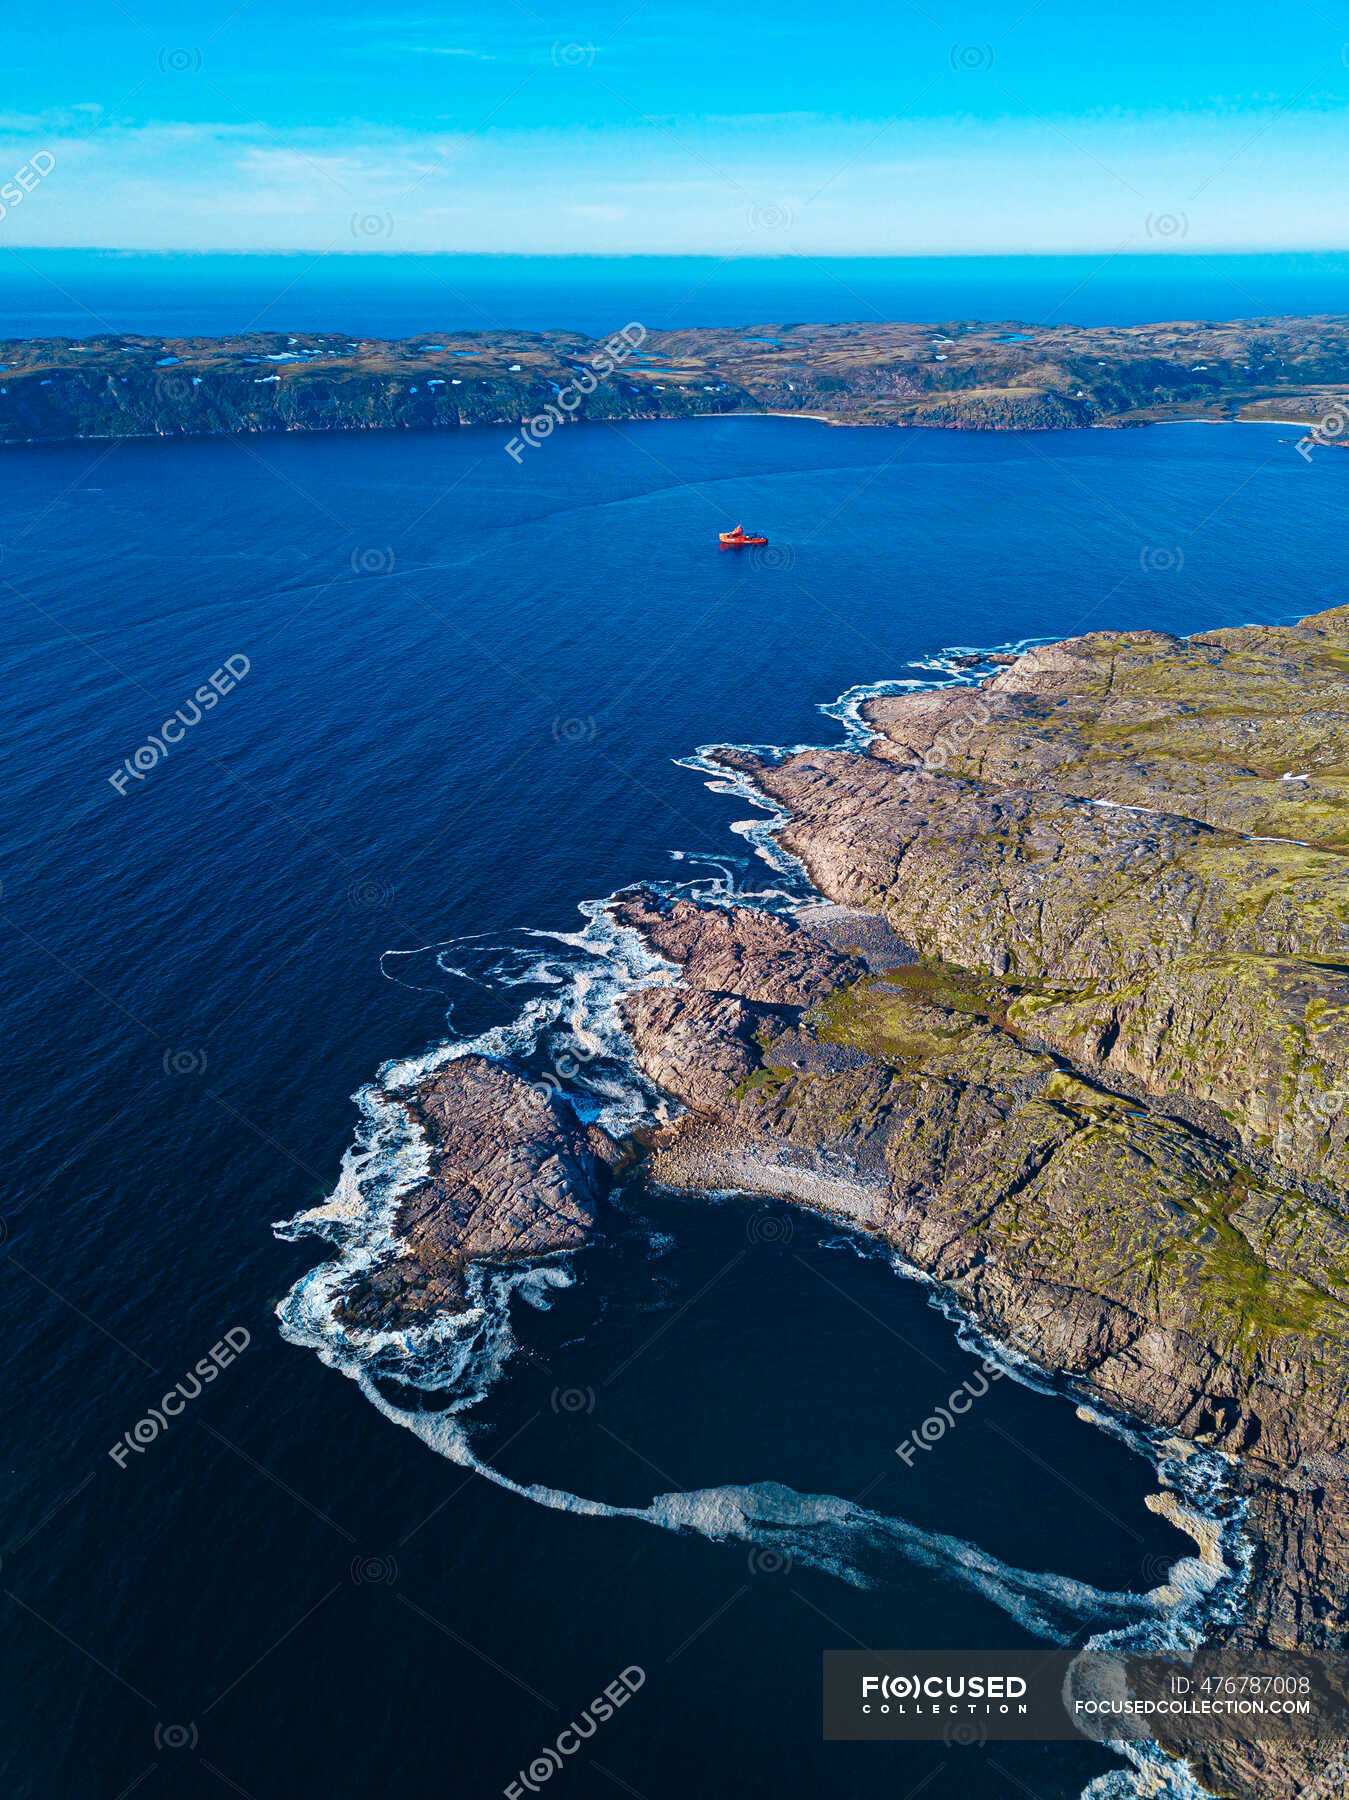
[(834, 1535), (579, 977), (947, 670), (821, 1531), (568, 1034), (847, 709), (1195, 1483), (762, 833), (1197, 1594), (459, 1353), (572, 1018)]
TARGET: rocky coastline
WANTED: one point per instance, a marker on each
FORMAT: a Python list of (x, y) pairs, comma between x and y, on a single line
[(1069, 1031)]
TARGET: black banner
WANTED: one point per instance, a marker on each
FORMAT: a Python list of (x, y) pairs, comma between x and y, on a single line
[(986, 1696)]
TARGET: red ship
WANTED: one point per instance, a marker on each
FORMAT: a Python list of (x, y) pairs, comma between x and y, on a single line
[(737, 539)]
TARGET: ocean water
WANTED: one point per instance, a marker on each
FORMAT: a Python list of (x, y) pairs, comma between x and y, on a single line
[(455, 696), (82, 293)]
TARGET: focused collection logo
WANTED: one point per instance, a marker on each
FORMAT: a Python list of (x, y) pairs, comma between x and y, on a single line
[(954, 1693), (949, 1695)]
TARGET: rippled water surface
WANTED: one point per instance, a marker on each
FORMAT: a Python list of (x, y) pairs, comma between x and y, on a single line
[(466, 688)]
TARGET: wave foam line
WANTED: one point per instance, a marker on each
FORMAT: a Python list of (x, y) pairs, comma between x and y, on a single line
[(944, 670), (1199, 1593), (570, 1023), (948, 665), (580, 976), (820, 1531)]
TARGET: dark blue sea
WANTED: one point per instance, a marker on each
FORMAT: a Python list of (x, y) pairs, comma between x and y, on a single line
[(84, 293), (442, 703)]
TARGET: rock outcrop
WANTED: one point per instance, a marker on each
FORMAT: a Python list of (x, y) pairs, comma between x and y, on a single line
[(511, 1177)]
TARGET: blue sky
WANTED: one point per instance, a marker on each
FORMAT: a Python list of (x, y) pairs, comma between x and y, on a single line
[(913, 126)]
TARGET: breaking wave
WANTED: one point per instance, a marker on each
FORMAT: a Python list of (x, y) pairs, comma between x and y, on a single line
[(954, 668)]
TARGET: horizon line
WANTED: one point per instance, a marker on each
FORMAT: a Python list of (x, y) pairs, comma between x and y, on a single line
[(1160, 253)]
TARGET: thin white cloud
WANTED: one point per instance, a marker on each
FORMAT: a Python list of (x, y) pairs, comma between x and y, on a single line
[(830, 186), (448, 50)]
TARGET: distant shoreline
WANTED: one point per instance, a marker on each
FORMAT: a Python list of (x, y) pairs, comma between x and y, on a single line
[(392, 293), (1001, 377), (207, 437)]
